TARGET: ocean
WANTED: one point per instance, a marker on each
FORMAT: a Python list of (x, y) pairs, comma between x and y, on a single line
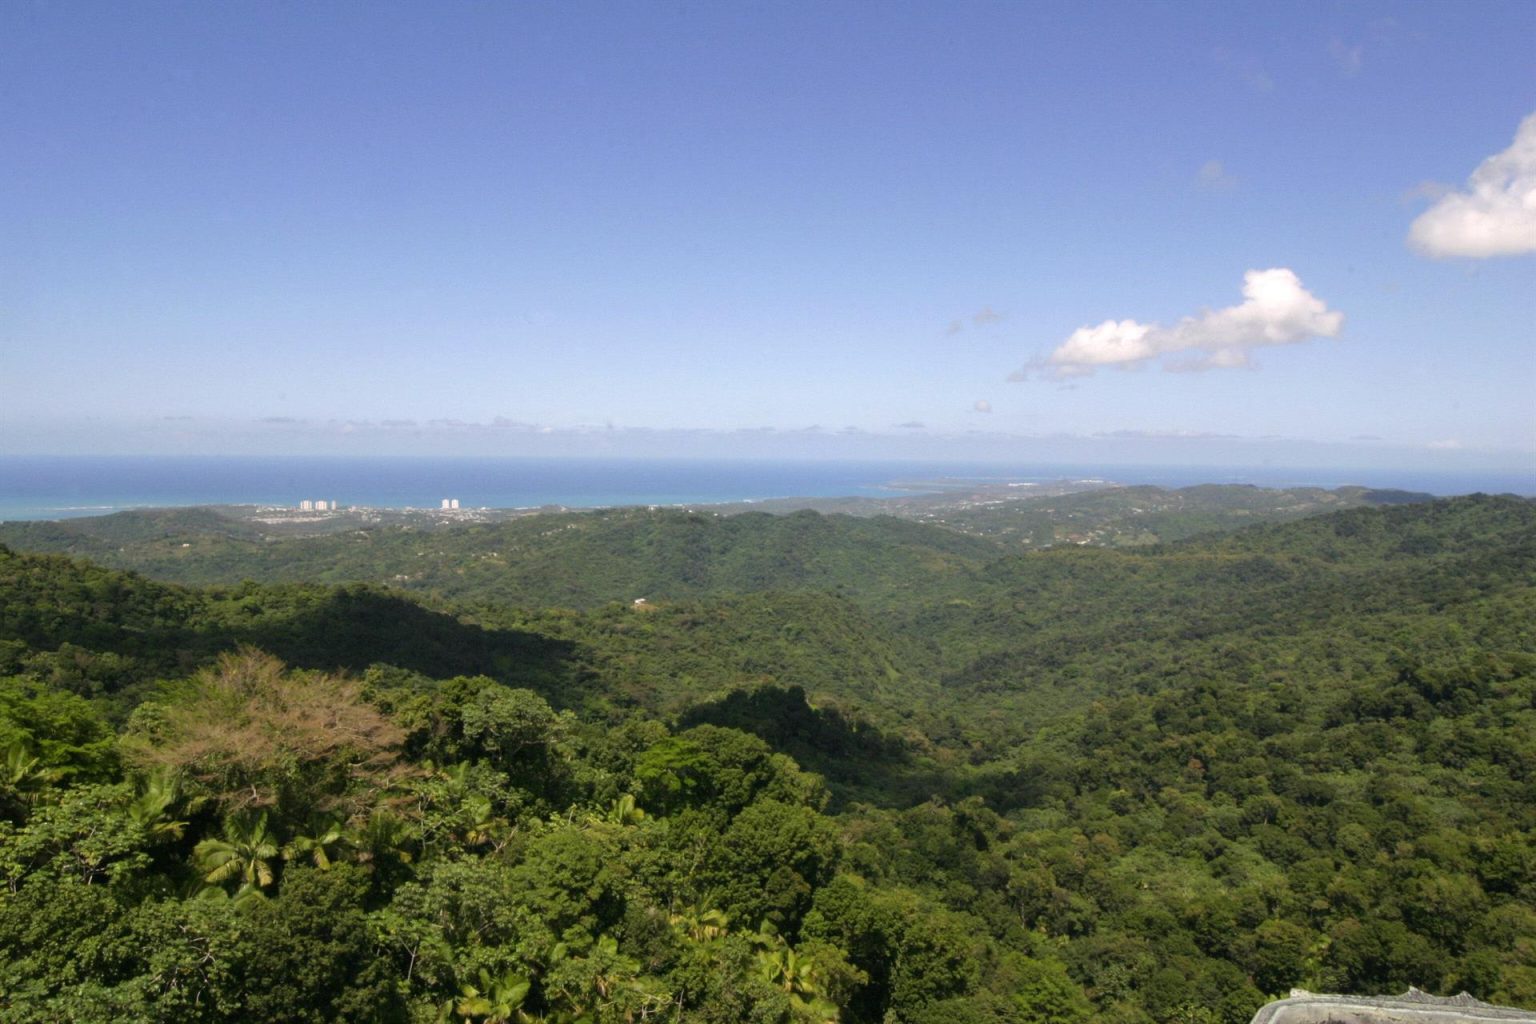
[(61, 487)]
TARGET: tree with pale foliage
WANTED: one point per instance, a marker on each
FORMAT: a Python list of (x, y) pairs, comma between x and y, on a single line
[(250, 734)]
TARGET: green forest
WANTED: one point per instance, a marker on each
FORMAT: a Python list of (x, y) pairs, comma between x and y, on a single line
[(676, 766)]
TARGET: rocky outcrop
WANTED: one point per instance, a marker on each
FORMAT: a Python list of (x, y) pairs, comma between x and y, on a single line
[(1412, 1007)]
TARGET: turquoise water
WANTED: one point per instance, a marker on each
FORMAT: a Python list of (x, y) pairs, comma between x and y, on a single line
[(57, 487)]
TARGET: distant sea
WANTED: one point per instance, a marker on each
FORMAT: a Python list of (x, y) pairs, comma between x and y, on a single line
[(61, 487)]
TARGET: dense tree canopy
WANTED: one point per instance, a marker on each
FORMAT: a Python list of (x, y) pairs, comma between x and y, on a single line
[(1154, 785)]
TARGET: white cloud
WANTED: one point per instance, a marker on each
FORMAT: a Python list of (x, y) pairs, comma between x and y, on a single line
[(1110, 343), (1213, 175), (982, 405), (1450, 444), (1348, 58), (1495, 216), (1276, 310)]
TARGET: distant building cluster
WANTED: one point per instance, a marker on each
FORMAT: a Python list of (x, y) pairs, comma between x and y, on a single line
[(308, 505), (450, 503)]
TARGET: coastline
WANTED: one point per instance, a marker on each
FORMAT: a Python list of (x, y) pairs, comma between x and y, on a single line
[(45, 488)]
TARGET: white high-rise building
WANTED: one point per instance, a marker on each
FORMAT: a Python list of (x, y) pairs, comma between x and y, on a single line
[(306, 505), (447, 504), (455, 503)]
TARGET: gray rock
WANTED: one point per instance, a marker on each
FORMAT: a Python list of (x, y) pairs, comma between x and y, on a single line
[(1412, 1007)]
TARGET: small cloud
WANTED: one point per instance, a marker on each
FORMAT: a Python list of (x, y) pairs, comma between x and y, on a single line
[(1450, 444), (982, 405), (278, 419), (1213, 175), (397, 423), (1348, 59), (1166, 435), (1366, 437), (1246, 67), (1495, 216), (911, 425), (1276, 310), (981, 319)]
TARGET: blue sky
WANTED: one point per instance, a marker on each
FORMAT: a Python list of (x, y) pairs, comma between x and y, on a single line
[(924, 230)]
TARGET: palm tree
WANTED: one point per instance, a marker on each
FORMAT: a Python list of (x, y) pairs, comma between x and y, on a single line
[(150, 806), (244, 896), (484, 826), (20, 766), (494, 1000), (699, 924), (383, 838), (21, 777), (457, 776), (624, 811), (321, 846), (244, 853), (795, 975)]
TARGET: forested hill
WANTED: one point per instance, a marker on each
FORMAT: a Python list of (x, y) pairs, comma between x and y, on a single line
[(569, 559), (1147, 786), (107, 634), (1133, 516), (583, 559), (911, 624), (908, 623), (1068, 615)]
